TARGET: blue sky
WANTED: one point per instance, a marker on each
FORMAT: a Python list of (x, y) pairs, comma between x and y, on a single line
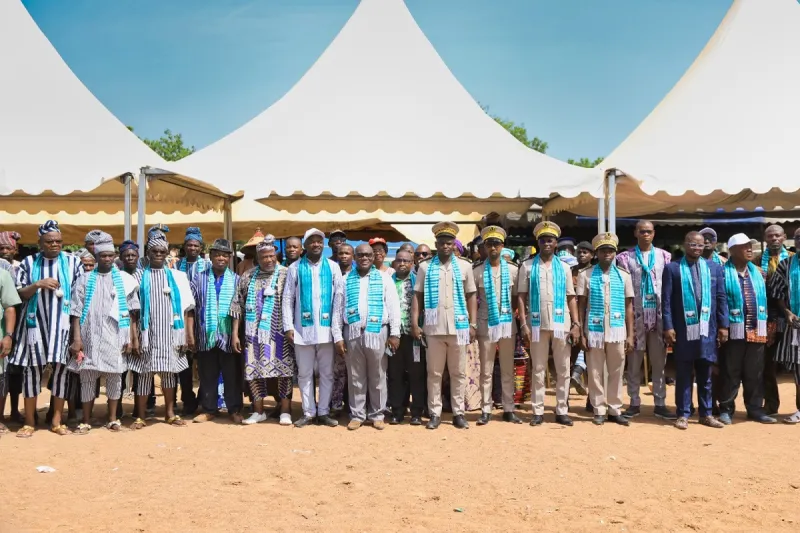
[(580, 74)]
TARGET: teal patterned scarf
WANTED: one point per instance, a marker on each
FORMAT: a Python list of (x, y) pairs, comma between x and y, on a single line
[(178, 329), (124, 321), (373, 323), (431, 297), (64, 293), (765, 255), (306, 286), (696, 318), (559, 299), (500, 316), (264, 323), (597, 308), (217, 312), (736, 300)]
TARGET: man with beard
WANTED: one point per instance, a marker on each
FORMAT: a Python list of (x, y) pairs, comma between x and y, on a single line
[(366, 317), (695, 312), (166, 329), (769, 261), (268, 354), (311, 285), (645, 263), (46, 281), (547, 303), (496, 281), (445, 296), (101, 309), (213, 290)]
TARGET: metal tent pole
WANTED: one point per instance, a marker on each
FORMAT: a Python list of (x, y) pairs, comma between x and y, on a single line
[(141, 209), (128, 181), (612, 200)]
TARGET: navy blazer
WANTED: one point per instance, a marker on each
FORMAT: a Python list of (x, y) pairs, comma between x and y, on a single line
[(672, 302)]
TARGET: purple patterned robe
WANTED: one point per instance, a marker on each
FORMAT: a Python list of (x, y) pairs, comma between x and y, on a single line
[(627, 260)]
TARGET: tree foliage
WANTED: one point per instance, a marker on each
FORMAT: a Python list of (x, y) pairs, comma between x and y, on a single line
[(169, 146), (519, 132), (585, 162)]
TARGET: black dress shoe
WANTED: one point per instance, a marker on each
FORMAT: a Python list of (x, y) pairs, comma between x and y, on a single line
[(434, 422), (511, 417), (459, 422), (416, 421), (598, 420), (619, 419), (762, 418), (303, 422), (395, 420), (325, 420), (564, 420), (484, 419), (537, 420)]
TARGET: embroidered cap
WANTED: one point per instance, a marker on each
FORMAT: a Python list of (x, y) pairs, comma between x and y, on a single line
[(605, 240), (157, 239), (128, 245), (546, 228), (445, 229), (9, 238), (493, 232), (266, 242)]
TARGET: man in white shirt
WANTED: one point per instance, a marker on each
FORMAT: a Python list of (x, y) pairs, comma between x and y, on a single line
[(311, 287)]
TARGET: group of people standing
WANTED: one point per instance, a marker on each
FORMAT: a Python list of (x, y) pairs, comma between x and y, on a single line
[(386, 335)]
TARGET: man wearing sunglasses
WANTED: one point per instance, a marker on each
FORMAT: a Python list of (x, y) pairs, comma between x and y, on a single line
[(422, 253)]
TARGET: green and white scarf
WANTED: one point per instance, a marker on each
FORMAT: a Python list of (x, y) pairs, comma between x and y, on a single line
[(217, 312), (459, 300)]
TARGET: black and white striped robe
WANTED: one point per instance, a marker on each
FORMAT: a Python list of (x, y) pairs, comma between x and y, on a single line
[(50, 317), (161, 355)]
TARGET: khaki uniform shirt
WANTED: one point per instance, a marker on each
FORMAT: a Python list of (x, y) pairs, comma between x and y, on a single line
[(584, 288), (483, 311), (446, 320), (546, 290)]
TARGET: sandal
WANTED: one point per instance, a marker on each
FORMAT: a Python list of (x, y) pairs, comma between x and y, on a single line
[(794, 419), (83, 429), (176, 421), (25, 432), (138, 424), (114, 425), (61, 430)]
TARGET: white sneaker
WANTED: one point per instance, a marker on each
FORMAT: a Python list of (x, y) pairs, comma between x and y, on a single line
[(286, 419), (255, 418)]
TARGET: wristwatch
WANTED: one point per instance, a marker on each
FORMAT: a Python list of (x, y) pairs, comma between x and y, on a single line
[(474, 326), (576, 324)]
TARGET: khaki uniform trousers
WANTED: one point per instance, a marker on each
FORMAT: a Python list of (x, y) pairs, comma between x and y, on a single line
[(657, 355), (445, 349), (606, 400), (487, 350), (540, 353)]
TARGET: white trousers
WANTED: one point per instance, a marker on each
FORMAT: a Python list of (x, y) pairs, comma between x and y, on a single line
[(321, 357)]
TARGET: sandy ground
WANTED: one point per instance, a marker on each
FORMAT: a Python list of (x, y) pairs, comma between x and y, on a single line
[(501, 477)]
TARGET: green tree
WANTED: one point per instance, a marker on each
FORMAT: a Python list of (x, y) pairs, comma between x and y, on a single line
[(585, 162), (519, 132), (169, 146)]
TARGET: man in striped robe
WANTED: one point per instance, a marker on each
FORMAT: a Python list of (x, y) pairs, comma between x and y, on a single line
[(101, 330), (45, 282), (165, 332)]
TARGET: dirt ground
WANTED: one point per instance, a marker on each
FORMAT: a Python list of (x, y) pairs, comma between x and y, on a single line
[(501, 477)]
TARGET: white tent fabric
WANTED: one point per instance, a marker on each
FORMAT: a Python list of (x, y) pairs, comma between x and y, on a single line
[(379, 115), (56, 136), (728, 131)]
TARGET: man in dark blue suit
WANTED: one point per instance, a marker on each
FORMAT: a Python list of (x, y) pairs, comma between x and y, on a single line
[(694, 352)]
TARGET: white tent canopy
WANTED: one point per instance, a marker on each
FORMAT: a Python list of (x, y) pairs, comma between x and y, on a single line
[(379, 115), (57, 139), (727, 134)]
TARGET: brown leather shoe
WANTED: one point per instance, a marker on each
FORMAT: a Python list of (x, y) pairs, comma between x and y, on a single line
[(682, 423), (354, 424), (379, 424), (711, 422)]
